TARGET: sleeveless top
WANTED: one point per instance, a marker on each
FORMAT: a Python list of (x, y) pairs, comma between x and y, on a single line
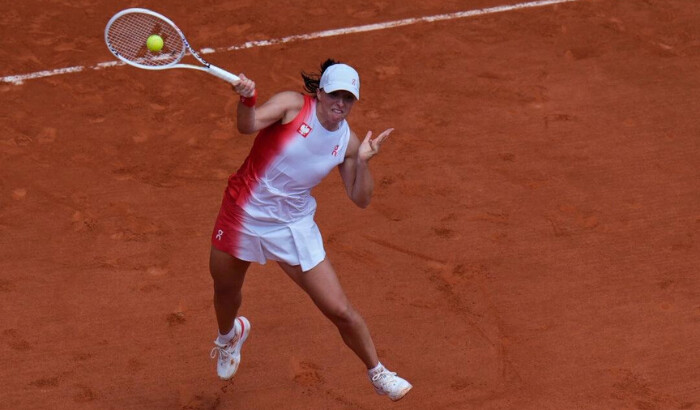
[(286, 161)]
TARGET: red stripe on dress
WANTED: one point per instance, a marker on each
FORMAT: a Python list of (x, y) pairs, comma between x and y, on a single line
[(268, 144)]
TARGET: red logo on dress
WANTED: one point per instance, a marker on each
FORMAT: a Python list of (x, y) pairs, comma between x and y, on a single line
[(335, 150), (304, 129)]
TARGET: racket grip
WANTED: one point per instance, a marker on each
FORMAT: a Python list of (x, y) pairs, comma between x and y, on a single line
[(223, 74)]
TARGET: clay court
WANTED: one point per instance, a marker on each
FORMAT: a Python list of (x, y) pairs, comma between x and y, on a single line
[(531, 244)]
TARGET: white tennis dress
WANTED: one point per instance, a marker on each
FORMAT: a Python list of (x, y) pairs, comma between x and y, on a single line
[(267, 211)]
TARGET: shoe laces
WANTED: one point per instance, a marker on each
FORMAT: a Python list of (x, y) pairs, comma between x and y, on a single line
[(385, 376), (224, 351), (223, 354)]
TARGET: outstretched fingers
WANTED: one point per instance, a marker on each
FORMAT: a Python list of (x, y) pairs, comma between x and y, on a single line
[(370, 146), (380, 138)]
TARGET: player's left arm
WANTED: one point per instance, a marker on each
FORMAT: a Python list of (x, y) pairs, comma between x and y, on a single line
[(354, 170)]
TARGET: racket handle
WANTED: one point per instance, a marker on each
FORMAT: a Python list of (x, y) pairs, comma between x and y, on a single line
[(223, 74)]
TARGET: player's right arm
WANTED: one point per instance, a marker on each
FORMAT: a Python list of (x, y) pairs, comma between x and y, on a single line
[(282, 107)]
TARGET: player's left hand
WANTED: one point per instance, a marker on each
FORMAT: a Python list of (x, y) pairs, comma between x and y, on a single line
[(370, 146)]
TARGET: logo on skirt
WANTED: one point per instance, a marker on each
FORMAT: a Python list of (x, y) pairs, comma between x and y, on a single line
[(219, 234)]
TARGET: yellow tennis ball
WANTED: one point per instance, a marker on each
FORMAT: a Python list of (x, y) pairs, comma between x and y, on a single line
[(154, 42)]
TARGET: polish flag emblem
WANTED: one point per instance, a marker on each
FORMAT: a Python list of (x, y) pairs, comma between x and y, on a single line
[(304, 129)]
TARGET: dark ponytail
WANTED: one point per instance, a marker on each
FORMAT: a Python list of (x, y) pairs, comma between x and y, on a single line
[(312, 80)]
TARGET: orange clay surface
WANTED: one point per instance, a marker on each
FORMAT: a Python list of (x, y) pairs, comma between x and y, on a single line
[(532, 242)]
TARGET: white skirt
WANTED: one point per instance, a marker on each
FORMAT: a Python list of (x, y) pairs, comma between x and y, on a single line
[(248, 239)]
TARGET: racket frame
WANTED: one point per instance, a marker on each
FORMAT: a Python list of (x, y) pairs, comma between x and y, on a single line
[(206, 66)]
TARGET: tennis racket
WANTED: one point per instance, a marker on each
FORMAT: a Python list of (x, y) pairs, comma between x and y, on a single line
[(126, 35)]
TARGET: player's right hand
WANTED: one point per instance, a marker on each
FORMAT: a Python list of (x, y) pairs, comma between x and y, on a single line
[(245, 87)]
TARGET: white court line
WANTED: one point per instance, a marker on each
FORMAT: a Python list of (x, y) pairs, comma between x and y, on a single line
[(19, 79)]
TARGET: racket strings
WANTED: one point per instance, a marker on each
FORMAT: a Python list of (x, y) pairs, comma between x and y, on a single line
[(128, 34)]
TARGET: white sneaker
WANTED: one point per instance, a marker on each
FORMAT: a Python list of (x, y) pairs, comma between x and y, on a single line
[(230, 353), (388, 383)]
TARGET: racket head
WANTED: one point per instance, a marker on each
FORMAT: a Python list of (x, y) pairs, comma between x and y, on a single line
[(126, 34)]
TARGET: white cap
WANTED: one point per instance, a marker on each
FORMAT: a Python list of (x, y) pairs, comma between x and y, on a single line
[(341, 77)]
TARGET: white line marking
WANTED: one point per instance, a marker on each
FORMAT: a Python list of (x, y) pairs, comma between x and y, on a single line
[(19, 79)]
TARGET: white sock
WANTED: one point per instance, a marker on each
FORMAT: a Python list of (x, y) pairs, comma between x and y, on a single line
[(224, 339), (378, 368)]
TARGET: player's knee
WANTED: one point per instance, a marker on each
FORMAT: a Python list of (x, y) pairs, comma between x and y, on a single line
[(344, 315), (226, 289)]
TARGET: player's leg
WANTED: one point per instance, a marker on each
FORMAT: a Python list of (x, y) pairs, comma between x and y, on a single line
[(322, 285), (228, 274)]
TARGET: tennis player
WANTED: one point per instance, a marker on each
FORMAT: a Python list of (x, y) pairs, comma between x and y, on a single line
[(268, 212)]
